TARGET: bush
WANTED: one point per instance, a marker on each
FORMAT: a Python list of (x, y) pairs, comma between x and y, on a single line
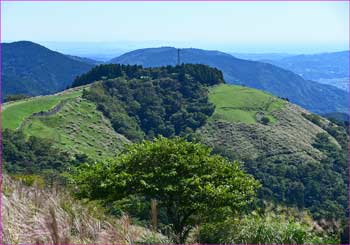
[(153, 238), (268, 229), (31, 180), (265, 120)]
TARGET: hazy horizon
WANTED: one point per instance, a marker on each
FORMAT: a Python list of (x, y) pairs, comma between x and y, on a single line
[(105, 51), (234, 27)]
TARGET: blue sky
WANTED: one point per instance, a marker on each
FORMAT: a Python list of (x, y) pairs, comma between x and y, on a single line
[(241, 27)]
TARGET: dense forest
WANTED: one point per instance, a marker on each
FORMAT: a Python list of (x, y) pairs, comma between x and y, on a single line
[(144, 103)]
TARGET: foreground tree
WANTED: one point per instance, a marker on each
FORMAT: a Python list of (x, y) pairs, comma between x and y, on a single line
[(185, 178)]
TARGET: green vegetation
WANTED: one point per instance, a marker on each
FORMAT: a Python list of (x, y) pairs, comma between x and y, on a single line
[(269, 228), (172, 185), (14, 113), (241, 104), (201, 73), (34, 156), (71, 123), (78, 128), (286, 156), (165, 101), (184, 178), (14, 97)]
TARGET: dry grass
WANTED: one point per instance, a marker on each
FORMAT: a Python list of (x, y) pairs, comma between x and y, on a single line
[(34, 215), (290, 139)]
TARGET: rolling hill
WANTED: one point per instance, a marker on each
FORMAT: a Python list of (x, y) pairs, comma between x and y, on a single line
[(316, 97), (285, 152), (237, 129), (29, 68), (329, 68), (72, 122), (295, 154)]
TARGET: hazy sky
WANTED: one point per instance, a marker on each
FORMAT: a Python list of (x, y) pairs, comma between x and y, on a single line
[(241, 27)]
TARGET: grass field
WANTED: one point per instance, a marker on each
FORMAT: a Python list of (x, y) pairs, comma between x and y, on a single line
[(78, 127), (14, 113), (241, 104)]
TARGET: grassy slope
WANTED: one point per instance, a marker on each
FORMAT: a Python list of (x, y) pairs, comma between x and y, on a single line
[(241, 104), (234, 128), (13, 113), (78, 127)]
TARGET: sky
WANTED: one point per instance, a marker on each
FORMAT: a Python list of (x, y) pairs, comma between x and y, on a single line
[(260, 27)]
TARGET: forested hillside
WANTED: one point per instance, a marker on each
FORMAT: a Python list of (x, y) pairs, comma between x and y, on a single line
[(164, 101), (29, 68)]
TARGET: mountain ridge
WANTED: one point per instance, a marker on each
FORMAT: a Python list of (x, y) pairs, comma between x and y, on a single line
[(311, 95), (328, 68), (30, 68)]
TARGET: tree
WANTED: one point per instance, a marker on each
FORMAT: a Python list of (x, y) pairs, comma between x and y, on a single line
[(187, 181), (265, 120)]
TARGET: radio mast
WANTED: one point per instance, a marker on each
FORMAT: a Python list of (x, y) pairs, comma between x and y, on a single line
[(178, 57)]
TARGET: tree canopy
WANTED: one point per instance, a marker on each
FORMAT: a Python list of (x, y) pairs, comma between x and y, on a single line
[(149, 102), (185, 179)]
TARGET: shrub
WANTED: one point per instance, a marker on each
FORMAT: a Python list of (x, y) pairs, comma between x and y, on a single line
[(31, 180), (262, 229), (265, 120)]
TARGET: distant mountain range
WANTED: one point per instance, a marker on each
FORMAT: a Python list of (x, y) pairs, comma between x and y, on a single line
[(30, 68), (261, 56), (316, 97), (328, 68)]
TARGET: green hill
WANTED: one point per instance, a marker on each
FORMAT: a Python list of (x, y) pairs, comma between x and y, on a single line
[(299, 157), (286, 153), (236, 128), (13, 113), (241, 104), (73, 123)]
